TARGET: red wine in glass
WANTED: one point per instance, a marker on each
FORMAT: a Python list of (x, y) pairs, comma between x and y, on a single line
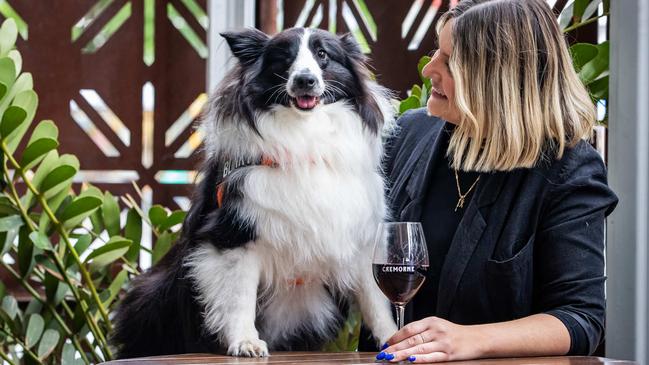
[(400, 262), (399, 282)]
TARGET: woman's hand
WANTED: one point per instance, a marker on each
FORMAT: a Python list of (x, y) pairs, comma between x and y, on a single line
[(434, 339)]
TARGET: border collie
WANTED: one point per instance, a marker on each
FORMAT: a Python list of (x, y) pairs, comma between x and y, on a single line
[(281, 229)]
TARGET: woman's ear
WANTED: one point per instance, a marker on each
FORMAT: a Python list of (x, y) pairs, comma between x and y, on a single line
[(246, 45)]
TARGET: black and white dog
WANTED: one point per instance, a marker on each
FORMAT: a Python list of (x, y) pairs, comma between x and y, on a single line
[(281, 229)]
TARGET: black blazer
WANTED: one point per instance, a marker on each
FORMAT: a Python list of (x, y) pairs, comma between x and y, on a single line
[(531, 240)]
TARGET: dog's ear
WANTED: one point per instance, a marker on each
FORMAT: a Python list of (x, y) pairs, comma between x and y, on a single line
[(366, 103), (351, 47), (246, 45)]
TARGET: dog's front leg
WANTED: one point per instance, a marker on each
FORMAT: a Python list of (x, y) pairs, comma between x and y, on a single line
[(227, 281), (374, 306)]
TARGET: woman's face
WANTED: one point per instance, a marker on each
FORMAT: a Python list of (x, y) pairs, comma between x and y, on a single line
[(440, 103)]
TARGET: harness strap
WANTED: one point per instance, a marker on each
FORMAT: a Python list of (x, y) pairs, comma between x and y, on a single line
[(227, 166)]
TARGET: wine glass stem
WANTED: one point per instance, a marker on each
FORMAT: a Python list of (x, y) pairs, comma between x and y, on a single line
[(400, 310)]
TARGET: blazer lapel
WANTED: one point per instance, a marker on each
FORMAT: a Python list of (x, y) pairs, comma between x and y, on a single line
[(466, 239), (424, 156)]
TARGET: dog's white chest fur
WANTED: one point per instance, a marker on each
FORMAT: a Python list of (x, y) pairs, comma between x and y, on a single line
[(325, 198)]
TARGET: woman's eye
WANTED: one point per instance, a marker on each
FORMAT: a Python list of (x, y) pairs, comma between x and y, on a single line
[(322, 53)]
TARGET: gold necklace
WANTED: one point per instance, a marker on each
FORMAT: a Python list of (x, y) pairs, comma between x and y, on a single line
[(460, 201)]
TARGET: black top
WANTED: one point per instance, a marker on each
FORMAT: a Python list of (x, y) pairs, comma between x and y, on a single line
[(439, 220), (529, 240)]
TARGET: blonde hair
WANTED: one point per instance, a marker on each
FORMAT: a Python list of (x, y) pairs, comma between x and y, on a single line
[(519, 97)]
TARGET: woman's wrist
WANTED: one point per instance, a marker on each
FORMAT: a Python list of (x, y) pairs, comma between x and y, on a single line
[(536, 335), (482, 340)]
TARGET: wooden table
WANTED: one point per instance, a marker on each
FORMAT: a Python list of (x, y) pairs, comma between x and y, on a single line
[(349, 358)]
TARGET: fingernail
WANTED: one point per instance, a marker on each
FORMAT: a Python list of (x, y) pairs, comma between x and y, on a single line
[(389, 357), (411, 358), (380, 356), (385, 346)]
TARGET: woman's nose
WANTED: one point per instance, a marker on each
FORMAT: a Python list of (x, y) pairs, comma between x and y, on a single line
[(429, 71)]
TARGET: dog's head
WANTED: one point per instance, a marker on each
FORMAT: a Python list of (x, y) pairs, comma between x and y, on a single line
[(302, 69)]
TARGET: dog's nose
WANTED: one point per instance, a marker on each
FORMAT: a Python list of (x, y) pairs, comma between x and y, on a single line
[(305, 81)]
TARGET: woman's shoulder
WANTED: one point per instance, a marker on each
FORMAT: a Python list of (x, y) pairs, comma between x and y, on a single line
[(578, 160), (580, 172), (416, 122), (413, 126)]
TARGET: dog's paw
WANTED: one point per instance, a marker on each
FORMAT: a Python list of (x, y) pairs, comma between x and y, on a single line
[(384, 332), (249, 347)]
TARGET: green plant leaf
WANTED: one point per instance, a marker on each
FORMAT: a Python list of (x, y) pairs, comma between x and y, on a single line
[(2, 290), (423, 98), (45, 129), (115, 288), (578, 9), (50, 160), (415, 91), (7, 207), (133, 232), (28, 101), (80, 208), (412, 102), (40, 240), (25, 252), (7, 75), (35, 328), (157, 215), (599, 88), (18, 61), (582, 53), (23, 82), (174, 218), (110, 214), (57, 176), (565, 18), (10, 222), (590, 9), (420, 66), (111, 251), (33, 307), (10, 306), (48, 343), (80, 247), (8, 35), (51, 287), (598, 65), (97, 221), (13, 117), (162, 246), (67, 354), (37, 151), (8, 239)]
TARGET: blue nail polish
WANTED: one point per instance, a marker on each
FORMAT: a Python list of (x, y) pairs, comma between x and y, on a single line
[(389, 357), (411, 358), (385, 346), (380, 356)]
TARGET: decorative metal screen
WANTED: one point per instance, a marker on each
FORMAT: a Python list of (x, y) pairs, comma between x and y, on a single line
[(123, 80)]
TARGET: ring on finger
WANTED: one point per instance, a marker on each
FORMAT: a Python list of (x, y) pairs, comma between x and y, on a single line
[(423, 340)]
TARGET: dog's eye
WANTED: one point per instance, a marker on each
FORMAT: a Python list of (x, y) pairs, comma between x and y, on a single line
[(322, 53)]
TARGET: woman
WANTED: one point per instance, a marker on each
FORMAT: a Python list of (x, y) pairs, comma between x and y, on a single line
[(511, 195)]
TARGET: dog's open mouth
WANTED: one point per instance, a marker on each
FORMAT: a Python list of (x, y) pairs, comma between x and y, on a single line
[(306, 102)]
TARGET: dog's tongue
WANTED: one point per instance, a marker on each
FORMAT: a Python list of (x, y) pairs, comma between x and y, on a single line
[(306, 102)]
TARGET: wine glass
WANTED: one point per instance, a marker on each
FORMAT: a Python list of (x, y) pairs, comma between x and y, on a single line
[(400, 262)]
